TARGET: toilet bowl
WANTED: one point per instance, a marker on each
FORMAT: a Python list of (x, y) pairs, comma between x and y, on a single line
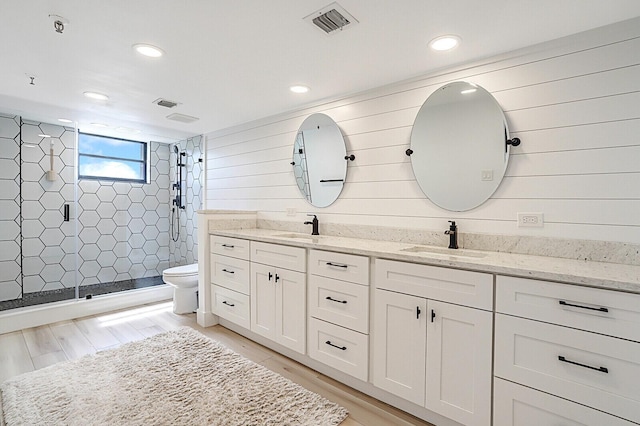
[(184, 280)]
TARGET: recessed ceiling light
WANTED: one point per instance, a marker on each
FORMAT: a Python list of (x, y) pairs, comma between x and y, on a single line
[(97, 96), (148, 50), (65, 120), (42, 135), (299, 89), (99, 125), (446, 42)]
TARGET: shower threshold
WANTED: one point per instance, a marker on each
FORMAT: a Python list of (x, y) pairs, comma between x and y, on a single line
[(86, 291)]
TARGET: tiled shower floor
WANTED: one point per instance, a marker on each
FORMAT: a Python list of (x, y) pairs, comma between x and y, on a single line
[(31, 299)]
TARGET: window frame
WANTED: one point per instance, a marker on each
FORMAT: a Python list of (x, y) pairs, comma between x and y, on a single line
[(144, 161)]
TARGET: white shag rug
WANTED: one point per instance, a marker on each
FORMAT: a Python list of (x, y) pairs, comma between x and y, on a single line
[(175, 378)]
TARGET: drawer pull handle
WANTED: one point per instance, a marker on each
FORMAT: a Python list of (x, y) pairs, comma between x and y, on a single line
[(229, 246), (335, 300), (337, 265), (228, 304), (227, 271), (562, 302), (600, 369), (342, 348)]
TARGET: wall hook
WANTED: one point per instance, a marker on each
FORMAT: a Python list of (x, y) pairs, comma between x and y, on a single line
[(350, 157), (293, 163), (513, 142), (409, 152)]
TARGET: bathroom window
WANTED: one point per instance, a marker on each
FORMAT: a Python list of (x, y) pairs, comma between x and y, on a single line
[(106, 158)]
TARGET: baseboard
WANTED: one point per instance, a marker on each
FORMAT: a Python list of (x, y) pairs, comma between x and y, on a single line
[(34, 316), (206, 319)]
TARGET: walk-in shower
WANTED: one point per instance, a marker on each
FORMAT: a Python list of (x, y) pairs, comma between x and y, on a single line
[(63, 237)]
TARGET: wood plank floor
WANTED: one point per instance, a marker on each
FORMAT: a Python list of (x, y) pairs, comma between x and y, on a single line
[(39, 347)]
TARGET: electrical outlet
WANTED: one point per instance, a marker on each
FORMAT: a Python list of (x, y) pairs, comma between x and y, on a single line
[(530, 220), (291, 211), (486, 175)]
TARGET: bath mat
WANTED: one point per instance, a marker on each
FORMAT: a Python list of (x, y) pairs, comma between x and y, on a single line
[(176, 378)]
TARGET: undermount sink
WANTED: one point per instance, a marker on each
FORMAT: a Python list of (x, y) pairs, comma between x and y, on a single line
[(298, 236), (445, 251)]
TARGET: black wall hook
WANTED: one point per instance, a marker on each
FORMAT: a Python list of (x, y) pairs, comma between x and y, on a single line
[(409, 152), (350, 157), (513, 142)]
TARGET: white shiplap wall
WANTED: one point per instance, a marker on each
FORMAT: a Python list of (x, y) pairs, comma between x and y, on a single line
[(574, 102)]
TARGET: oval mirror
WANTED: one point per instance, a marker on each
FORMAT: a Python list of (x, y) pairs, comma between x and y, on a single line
[(319, 164), (459, 144)]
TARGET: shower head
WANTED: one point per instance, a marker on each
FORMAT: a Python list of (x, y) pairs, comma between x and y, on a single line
[(175, 149)]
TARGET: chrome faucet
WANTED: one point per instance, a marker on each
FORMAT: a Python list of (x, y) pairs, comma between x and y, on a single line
[(314, 223), (453, 235)]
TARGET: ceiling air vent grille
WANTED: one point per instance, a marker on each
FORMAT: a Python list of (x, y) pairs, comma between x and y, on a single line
[(182, 118), (331, 18), (165, 103)]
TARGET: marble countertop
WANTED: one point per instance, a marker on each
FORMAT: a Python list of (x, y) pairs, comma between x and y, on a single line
[(594, 274)]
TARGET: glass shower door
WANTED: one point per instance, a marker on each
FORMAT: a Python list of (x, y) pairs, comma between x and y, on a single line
[(47, 194)]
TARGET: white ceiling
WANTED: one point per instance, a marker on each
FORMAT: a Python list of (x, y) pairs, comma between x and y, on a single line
[(232, 61)]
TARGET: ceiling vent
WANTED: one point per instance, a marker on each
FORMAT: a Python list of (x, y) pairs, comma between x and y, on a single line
[(331, 19), (182, 118), (165, 103)]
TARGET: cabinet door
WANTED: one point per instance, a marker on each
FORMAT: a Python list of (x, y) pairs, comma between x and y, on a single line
[(291, 312), (399, 349), (459, 348), (263, 300)]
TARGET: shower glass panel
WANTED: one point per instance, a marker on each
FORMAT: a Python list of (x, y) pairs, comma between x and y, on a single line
[(39, 227)]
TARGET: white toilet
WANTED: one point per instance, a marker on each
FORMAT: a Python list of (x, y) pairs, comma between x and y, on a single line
[(184, 280)]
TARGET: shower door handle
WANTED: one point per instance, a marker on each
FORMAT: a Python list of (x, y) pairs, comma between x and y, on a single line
[(66, 213)]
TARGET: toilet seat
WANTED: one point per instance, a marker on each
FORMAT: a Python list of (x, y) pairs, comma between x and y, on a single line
[(181, 271)]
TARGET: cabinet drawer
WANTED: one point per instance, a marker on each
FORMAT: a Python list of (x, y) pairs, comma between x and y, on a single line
[(230, 273), (598, 371), (467, 288), (340, 348), (230, 305), (340, 303), (286, 257), (601, 311), (345, 267), (515, 405), (233, 247)]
